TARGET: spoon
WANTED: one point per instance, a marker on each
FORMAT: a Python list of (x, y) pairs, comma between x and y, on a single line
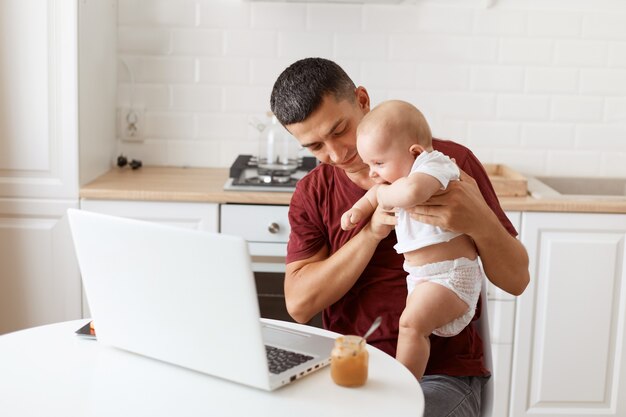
[(373, 327)]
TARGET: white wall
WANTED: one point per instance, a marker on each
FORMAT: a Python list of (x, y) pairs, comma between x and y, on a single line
[(538, 85)]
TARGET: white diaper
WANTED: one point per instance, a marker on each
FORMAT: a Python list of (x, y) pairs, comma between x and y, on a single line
[(463, 276)]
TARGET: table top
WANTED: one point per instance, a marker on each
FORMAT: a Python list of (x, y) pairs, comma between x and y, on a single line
[(48, 370)]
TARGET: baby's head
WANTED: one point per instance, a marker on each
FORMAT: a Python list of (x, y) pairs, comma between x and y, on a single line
[(390, 137)]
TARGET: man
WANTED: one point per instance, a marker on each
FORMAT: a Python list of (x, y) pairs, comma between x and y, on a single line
[(355, 276)]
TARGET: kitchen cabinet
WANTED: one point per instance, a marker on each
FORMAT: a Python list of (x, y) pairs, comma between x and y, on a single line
[(39, 279), (53, 55), (569, 356)]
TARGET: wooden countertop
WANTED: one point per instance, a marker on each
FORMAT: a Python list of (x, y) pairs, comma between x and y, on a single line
[(564, 205), (174, 184), (206, 185)]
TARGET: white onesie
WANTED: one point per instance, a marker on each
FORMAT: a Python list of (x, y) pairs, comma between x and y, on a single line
[(412, 234)]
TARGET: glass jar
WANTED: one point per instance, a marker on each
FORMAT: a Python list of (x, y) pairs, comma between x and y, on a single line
[(349, 361), (278, 151)]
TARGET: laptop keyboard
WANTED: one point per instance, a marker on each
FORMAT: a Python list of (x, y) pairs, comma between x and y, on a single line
[(280, 360)]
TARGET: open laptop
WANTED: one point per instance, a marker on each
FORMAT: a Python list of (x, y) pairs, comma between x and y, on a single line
[(188, 298)]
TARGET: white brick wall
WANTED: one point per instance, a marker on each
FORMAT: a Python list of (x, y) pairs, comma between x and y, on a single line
[(538, 85)]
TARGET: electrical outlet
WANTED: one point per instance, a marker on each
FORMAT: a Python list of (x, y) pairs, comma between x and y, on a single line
[(132, 124)]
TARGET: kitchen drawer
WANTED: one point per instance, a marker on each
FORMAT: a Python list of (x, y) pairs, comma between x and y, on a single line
[(255, 223)]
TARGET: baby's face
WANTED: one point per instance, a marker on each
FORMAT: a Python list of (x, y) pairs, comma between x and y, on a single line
[(388, 160)]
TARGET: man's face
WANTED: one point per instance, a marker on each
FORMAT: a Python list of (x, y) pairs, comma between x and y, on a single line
[(329, 133)]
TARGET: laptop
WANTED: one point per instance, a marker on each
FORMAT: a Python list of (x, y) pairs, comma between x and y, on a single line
[(188, 298)]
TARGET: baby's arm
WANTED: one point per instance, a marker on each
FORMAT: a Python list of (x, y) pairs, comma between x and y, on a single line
[(362, 209), (408, 191)]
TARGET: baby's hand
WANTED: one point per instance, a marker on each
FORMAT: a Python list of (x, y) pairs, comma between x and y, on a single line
[(351, 218)]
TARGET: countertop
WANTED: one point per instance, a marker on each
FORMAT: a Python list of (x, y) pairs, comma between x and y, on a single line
[(174, 184), (206, 185)]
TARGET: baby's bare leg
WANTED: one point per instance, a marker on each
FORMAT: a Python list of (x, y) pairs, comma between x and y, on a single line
[(429, 307)]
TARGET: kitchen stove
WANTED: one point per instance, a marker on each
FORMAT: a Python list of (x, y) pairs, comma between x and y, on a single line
[(244, 175)]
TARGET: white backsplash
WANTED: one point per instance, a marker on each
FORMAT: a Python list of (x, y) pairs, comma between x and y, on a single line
[(537, 85)]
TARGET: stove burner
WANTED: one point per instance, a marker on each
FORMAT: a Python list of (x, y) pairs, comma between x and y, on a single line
[(273, 178), (266, 181), (245, 175)]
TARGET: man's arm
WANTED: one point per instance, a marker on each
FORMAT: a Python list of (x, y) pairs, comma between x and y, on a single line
[(315, 283), (462, 208)]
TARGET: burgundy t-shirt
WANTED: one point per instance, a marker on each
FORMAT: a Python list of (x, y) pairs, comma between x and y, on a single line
[(320, 198)]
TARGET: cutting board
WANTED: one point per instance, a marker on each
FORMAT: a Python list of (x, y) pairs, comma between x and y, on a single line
[(506, 181)]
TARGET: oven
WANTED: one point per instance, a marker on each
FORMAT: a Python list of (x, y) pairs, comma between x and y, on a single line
[(266, 228)]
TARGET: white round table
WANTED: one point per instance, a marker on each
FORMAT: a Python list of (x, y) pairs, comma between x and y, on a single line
[(50, 371)]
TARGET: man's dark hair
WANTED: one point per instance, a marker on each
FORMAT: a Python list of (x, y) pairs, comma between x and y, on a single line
[(300, 88)]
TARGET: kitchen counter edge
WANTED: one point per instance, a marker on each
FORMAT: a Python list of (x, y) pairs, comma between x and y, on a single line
[(206, 185)]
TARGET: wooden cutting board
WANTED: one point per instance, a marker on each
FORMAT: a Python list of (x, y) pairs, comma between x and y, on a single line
[(506, 181)]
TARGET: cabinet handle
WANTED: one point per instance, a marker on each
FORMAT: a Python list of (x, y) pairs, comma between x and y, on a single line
[(273, 228)]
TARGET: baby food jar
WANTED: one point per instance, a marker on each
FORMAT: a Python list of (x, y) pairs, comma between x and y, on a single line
[(349, 360)]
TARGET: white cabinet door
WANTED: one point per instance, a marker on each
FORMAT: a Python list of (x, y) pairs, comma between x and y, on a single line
[(570, 357), (38, 99), (39, 278), (40, 69), (39, 281)]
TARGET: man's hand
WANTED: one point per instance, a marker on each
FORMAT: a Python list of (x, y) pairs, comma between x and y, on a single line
[(382, 222), (460, 207)]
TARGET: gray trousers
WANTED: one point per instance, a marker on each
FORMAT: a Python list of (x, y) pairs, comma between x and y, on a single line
[(449, 396)]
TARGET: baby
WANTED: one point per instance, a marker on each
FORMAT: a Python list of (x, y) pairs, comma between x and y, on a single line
[(445, 277)]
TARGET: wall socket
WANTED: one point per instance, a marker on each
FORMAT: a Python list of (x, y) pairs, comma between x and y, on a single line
[(132, 121)]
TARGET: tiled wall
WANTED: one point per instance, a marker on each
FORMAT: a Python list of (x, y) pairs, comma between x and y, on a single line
[(538, 85)]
